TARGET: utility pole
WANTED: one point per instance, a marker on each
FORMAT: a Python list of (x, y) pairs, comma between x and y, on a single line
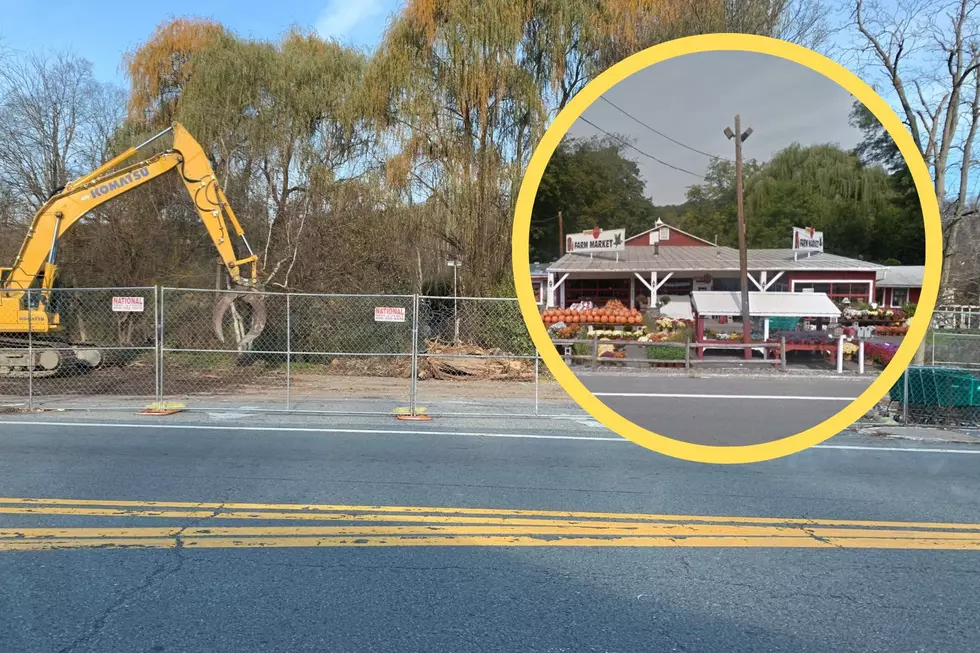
[(561, 235), (742, 252)]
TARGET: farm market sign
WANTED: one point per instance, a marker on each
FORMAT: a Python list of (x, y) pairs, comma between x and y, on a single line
[(807, 240), (597, 240), (389, 314)]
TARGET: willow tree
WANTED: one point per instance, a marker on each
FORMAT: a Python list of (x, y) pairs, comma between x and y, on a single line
[(462, 92), (447, 84), (632, 25), (159, 69), (278, 118), (824, 187)]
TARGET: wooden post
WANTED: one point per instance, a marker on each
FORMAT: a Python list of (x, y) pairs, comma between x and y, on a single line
[(687, 354), (782, 353), (861, 357), (561, 235), (595, 350)]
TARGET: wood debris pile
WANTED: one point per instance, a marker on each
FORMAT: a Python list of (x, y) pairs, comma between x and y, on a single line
[(475, 369), (393, 367)]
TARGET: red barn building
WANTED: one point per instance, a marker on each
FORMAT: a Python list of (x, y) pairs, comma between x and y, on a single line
[(666, 236), (668, 261), (901, 284)]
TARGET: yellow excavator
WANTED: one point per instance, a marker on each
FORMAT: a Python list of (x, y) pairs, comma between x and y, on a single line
[(36, 263)]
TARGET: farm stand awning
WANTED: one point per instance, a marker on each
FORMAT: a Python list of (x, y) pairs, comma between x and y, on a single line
[(765, 304)]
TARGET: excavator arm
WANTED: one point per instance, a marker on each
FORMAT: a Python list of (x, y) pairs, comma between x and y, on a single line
[(36, 262)]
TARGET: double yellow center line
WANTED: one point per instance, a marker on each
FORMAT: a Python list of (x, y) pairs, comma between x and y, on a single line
[(210, 525)]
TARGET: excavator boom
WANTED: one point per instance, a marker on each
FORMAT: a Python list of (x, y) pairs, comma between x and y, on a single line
[(35, 266)]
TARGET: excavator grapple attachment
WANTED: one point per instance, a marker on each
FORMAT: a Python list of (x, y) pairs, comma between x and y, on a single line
[(253, 299)]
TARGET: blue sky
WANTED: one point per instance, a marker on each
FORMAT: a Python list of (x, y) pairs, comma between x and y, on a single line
[(102, 31), (782, 101)]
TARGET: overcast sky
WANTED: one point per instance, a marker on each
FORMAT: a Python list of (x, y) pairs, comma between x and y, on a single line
[(692, 98)]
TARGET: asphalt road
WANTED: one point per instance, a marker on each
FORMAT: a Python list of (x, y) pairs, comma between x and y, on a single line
[(821, 592), (725, 410)]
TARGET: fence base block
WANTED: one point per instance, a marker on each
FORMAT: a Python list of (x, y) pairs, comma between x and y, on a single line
[(405, 414), (163, 408)]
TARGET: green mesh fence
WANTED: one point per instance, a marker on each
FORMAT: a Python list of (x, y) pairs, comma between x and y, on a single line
[(935, 395)]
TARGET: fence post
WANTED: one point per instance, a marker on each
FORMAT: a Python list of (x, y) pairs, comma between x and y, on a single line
[(933, 348), (30, 354), (156, 343), (905, 397), (687, 354), (595, 350), (162, 339), (860, 356), (840, 354), (289, 351), (537, 377), (782, 353), (415, 353)]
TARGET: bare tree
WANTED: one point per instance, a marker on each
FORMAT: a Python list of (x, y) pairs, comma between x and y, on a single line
[(105, 114), (926, 56), (52, 112), (964, 265)]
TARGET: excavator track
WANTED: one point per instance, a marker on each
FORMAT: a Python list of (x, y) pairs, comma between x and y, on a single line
[(50, 358)]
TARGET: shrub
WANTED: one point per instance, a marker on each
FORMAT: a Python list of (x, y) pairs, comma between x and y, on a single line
[(665, 353)]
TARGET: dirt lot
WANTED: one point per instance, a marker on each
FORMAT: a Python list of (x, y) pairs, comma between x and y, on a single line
[(139, 379), (208, 375)]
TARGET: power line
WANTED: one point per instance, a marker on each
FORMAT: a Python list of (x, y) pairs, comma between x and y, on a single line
[(649, 156), (659, 133)]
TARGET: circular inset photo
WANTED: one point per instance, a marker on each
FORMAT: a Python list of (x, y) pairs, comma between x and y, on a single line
[(726, 248)]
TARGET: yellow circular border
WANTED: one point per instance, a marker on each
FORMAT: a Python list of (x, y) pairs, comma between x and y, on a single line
[(727, 454)]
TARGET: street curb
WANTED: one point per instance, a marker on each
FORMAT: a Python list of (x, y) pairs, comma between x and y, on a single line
[(933, 435)]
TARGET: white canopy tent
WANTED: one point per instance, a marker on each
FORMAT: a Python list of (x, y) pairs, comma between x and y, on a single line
[(678, 308), (765, 305)]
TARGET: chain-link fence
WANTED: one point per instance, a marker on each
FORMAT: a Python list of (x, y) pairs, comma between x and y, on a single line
[(475, 356), (90, 347), (938, 396), (200, 364), (949, 348), (945, 390), (125, 348)]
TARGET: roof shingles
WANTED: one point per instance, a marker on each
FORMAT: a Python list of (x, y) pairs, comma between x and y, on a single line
[(903, 276), (696, 259)]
